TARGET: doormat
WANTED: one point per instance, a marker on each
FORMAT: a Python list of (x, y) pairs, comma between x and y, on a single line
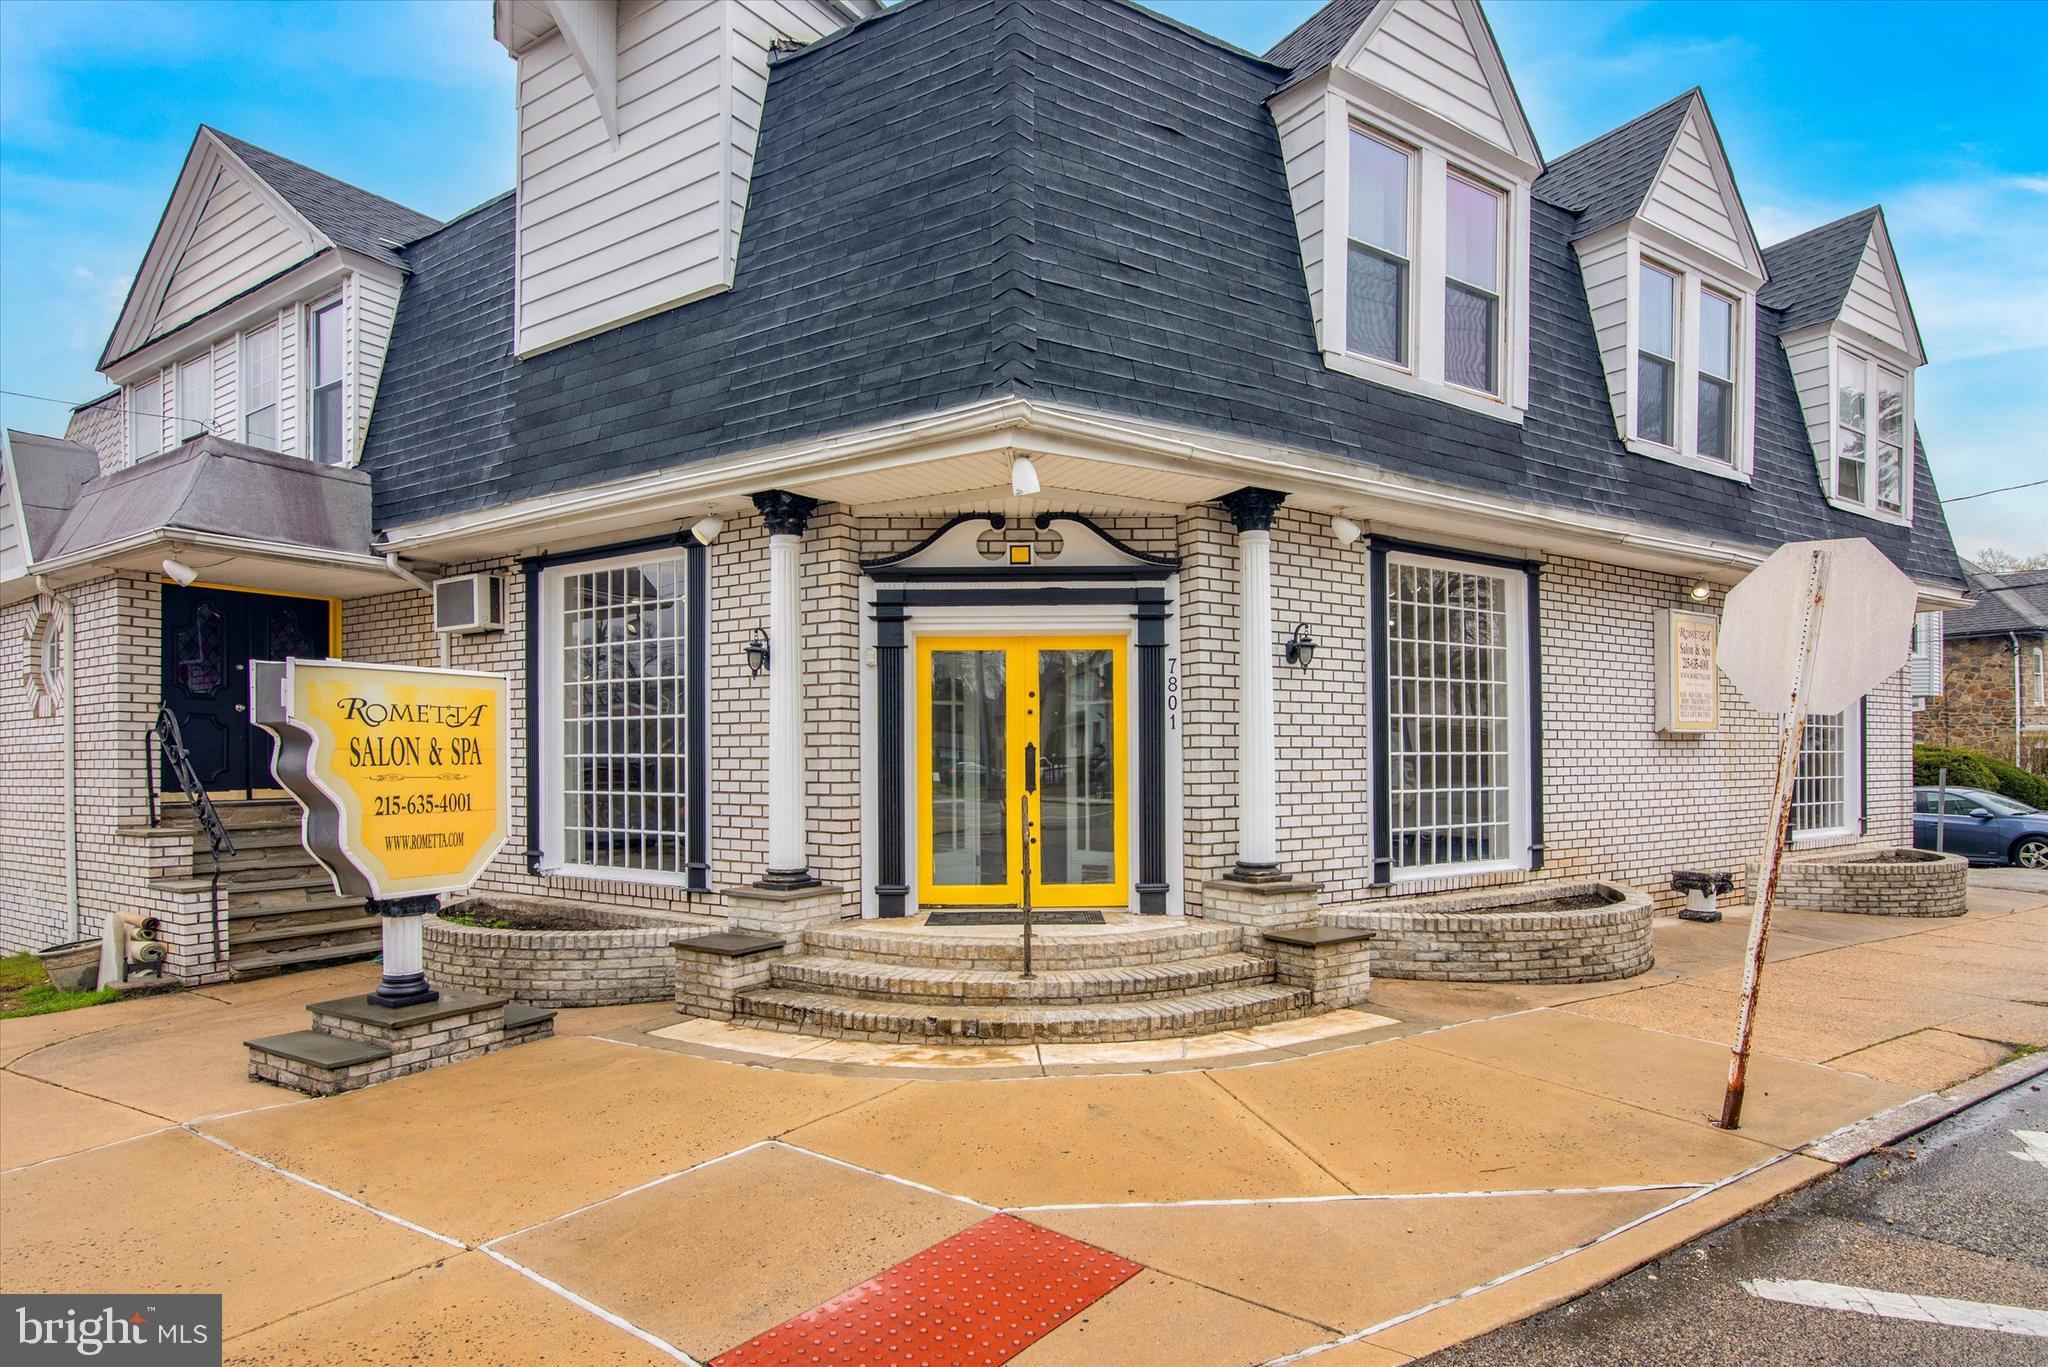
[(1056, 917)]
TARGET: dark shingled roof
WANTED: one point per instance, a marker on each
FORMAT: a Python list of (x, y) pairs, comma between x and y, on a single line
[(351, 218), (1061, 199), (1810, 274), (2001, 608), (1607, 179), (1320, 38)]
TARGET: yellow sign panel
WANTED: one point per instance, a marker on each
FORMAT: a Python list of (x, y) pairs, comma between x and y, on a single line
[(416, 763)]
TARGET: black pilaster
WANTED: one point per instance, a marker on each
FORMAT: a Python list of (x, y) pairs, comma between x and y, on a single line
[(891, 612), (697, 719), (1534, 578), (1151, 671), (1382, 785)]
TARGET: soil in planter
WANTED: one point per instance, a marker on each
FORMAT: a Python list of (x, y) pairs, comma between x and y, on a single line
[(490, 916), (1896, 857), (1549, 906)]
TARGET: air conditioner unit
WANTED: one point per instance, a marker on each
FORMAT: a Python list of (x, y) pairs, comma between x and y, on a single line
[(465, 604)]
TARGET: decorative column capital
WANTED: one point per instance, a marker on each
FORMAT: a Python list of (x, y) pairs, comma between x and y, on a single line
[(1252, 509), (784, 512)]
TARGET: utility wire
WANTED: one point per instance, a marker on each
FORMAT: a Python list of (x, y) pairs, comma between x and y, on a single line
[(1986, 493), (116, 408)]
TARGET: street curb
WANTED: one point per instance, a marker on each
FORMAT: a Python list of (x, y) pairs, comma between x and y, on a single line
[(1852, 1142)]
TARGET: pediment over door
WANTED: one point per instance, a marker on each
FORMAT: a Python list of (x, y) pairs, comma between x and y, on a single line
[(1050, 546)]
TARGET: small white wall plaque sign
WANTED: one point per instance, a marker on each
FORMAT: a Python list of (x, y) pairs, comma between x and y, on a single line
[(1688, 684)]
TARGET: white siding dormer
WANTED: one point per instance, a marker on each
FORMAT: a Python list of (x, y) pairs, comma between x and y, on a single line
[(1417, 98), (1873, 304), (1690, 200), (637, 127)]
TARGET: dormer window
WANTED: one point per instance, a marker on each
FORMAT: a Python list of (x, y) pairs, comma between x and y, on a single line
[(1472, 276), (1656, 354), (1870, 441), (1378, 271), (1717, 376)]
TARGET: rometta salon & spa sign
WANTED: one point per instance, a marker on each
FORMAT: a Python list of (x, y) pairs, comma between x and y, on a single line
[(404, 773)]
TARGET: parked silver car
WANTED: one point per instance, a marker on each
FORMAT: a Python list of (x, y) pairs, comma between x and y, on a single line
[(1984, 828)]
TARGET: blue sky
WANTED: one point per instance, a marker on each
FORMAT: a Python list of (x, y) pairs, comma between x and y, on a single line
[(1939, 111)]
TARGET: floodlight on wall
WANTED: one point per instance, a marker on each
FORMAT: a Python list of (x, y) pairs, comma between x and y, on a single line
[(705, 529), (1301, 647), (1700, 592), (1023, 477), (1346, 531), (180, 573)]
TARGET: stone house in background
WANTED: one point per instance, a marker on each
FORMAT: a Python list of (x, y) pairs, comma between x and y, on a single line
[(1993, 666), (1278, 459)]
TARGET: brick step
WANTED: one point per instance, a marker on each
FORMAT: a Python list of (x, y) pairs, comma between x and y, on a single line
[(821, 1013), (1052, 951), (818, 973), (308, 932), (257, 965)]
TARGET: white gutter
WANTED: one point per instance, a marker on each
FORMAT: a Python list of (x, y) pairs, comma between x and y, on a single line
[(94, 556), (426, 586), (1012, 424), (67, 618)]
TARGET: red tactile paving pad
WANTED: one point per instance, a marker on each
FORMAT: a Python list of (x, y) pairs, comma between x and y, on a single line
[(982, 1296)]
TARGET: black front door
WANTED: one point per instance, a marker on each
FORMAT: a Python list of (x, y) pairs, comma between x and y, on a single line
[(209, 637)]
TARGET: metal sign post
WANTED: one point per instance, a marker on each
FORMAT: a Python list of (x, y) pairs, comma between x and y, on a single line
[(1776, 830), (1024, 814)]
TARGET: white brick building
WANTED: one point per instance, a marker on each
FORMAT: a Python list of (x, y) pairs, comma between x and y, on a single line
[(1078, 396)]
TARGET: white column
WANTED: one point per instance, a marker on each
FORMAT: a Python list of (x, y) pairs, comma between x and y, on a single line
[(787, 842), (785, 514), (404, 946), (1258, 845)]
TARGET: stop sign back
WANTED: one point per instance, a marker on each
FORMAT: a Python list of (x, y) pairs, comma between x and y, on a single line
[(1866, 625)]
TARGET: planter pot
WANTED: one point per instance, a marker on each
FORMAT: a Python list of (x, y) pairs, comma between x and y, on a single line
[(1527, 933), (74, 967)]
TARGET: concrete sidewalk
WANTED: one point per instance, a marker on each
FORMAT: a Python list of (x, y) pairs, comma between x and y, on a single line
[(606, 1197)]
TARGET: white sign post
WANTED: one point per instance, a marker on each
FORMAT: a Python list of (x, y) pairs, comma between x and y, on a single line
[(1812, 629)]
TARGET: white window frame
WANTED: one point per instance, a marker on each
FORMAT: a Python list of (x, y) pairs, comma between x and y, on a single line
[(202, 423), (1411, 274), (1875, 363), (1674, 406), (243, 398), (142, 420), (1702, 377), (1435, 153), (1853, 768), (309, 357), (1497, 362), (1692, 279), (550, 751), (1521, 798), (2040, 678)]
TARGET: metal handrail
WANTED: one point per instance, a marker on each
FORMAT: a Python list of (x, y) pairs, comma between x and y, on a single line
[(169, 748)]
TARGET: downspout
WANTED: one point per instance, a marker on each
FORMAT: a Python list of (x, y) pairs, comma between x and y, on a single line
[(67, 618), (426, 586), (2013, 639)]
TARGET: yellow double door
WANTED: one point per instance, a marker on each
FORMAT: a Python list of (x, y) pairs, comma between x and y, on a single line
[(1017, 726)]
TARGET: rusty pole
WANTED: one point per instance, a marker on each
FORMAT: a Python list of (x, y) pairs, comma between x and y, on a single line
[(1790, 729)]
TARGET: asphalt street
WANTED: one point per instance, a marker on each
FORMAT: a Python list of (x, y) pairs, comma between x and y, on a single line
[(1958, 1212)]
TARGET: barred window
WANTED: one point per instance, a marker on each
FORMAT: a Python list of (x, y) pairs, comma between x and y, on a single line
[(1827, 794), (616, 736), (1456, 730)]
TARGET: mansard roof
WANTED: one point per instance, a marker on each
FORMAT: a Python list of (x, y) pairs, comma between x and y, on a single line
[(1056, 199), (1316, 43), (1607, 180)]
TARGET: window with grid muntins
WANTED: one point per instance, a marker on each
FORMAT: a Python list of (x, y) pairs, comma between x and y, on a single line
[(1449, 716), (624, 735), (1820, 793)]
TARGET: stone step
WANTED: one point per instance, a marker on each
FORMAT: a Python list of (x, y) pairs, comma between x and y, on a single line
[(236, 813), (246, 917), (822, 1013), (255, 965), (818, 973), (1054, 951), (247, 888)]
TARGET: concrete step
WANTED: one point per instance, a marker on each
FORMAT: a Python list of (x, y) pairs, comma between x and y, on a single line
[(821, 1013), (258, 965), (819, 973), (1052, 951)]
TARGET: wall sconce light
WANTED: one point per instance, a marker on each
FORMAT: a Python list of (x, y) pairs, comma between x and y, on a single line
[(1700, 592), (1346, 531), (757, 651), (1023, 477), (1301, 647), (705, 529)]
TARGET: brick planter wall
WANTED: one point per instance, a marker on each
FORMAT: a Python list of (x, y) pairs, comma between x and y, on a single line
[(624, 957), (1881, 882), (1482, 937)]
